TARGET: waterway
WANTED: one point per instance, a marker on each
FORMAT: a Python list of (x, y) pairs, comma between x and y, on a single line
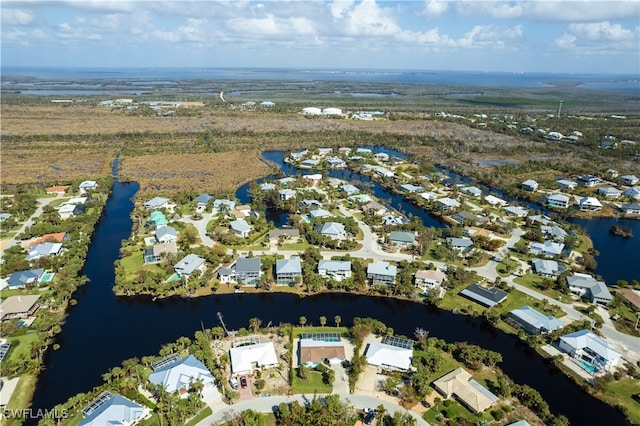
[(102, 329)]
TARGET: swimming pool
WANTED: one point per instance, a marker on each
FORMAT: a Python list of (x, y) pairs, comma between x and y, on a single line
[(174, 277), (588, 367), (47, 277)]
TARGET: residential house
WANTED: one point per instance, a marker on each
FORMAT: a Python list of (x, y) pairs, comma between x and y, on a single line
[(287, 194), (471, 190), (297, 156), (325, 151), (336, 269), (58, 190), (590, 204), (315, 350), (629, 180), (223, 205), (547, 268), (407, 187), (336, 163), (156, 203), (630, 208), (314, 178), (402, 238), (429, 196), (154, 254), (560, 201), (57, 237), (530, 185), (22, 279), (377, 209), (287, 270), (363, 151), (388, 357), (202, 200), (166, 234), (19, 306), (309, 163), (483, 295), (567, 184), (333, 230), (516, 211), (447, 204), (310, 203), (319, 213), (429, 280), (612, 173), (44, 250), (67, 211), (534, 322), (179, 376), (158, 219), (381, 156), (4, 216), (381, 273), (494, 201), (462, 244), (226, 275), (286, 180), (246, 359), (633, 192), (546, 248), (286, 233), (349, 189), (587, 287), (458, 384), (609, 192), (585, 346), (267, 186), (109, 409), (466, 217), (87, 185), (540, 218), (247, 270), (588, 181), (189, 264), (392, 219), (345, 150), (554, 232), (240, 227)]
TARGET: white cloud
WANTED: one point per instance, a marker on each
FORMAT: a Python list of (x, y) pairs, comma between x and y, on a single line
[(103, 6), (365, 18), (600, 31), (550, 10), (488, 36), (435, 7), (340, 8), (15, 17), (431, 38), (272, 25), (65, 27), (600, 36)]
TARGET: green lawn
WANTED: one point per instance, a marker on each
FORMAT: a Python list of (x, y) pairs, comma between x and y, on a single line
[(619, 393), (312, 385), (501, 268), (441, 413), (20, 346), (531, 281), (201, 415), (516, 299), (296, 246), (24, 392), (134, 263)]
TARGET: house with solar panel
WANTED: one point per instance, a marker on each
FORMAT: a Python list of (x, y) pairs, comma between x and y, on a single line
[(391, 353), (177, 374), (532, 321), (110, 409), (316, 348)]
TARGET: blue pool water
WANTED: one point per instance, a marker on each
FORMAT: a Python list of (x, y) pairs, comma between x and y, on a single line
[(590, 368), (47, 277)]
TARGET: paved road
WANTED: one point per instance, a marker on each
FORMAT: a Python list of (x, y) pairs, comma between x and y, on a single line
[(268, 404), (42, 202), (201, 226)]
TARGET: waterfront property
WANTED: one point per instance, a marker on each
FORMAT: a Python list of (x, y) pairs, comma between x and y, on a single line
[(156, 203), (587, 287), (557, 200), (410, 188), (288, 270), (590, 204), (630, 208), (609, 192), (585, 346), (336, 269), (494, 201), (390, 356), (459, 384), (109, 409), (532, 321), (485, 296), (546, 248), (247, 270), (633, 192), (19, 306), (429, 280), (588, 180), (471, 191), (180, 375), (381, 273), (447, 204), (67, 211), (166, 234), (155, 253), (189, 264), (246, 359), (349, 189), (319, 347), (554, 232), (44, 250), (567, 184), (547, 268), (529, 185), (516, 211), (629, 180), (87, 185), (22, 279)]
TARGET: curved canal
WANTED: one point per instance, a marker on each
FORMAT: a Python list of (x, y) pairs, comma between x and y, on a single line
[(102, 330)]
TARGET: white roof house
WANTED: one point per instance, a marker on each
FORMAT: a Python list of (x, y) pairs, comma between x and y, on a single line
[(381, 273), (156, 203), (567, 184), (534, 321), (547, 268), (311, 111), (333, 230), (516, 211), (245, 359), (86, 185), (166, 234), (585, 285), (189, 264), (334, 268), (389, 357), (530, 185), (177, 376), (494, 201), (447, 203), (114, 411), (240, 227), (349, 189), (68, 210), (629, 179), (471, 190), (633, 192), (558, 200), (609, 192), (43, 250), (547, 248), (332, 111), (590, 203), (319, 213), (287, 194), (587, 347)]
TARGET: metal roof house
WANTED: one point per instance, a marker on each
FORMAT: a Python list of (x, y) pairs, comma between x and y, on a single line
[(156, 203), (223, 205), (287, 270), (336, 269), (567, 184), (349, 189), (534, 322), (381, 273), (547, 268), (87, 185), (629, 179), (114, 410), (464, 243), (471, 190), (247, 270), (485, 296), (446, 204), (202, 200), (609, 192), (529, 185), (333, 230), (287, 194), (560, 201), (516, 211), (20, 279), (633, 192), (178, 376), (459, 384), (44, 250), (590, 204), (240, 227), (402, 238), (189, 264), (547, 248), (494, 201), (587, 347), (166, 234), (586, 286)]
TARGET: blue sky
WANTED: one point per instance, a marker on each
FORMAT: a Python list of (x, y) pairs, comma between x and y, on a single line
[(578, 36)]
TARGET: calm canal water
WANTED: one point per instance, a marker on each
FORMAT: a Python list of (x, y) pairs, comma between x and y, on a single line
[(103, 329)]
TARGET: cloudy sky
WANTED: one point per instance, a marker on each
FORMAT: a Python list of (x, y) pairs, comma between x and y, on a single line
[(543, 35)]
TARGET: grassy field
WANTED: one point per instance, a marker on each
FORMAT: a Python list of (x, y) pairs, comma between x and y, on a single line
[(24, 391), (201, 415), (531, 280), (620, 392), (312, 385)]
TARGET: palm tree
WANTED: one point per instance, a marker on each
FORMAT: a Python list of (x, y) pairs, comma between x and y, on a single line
[(381, 412), (323, 321), (338, 320), (303, 321), (255, 323)]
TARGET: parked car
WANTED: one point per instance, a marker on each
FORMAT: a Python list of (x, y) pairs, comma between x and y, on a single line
[(234, 383), (243, 382)]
